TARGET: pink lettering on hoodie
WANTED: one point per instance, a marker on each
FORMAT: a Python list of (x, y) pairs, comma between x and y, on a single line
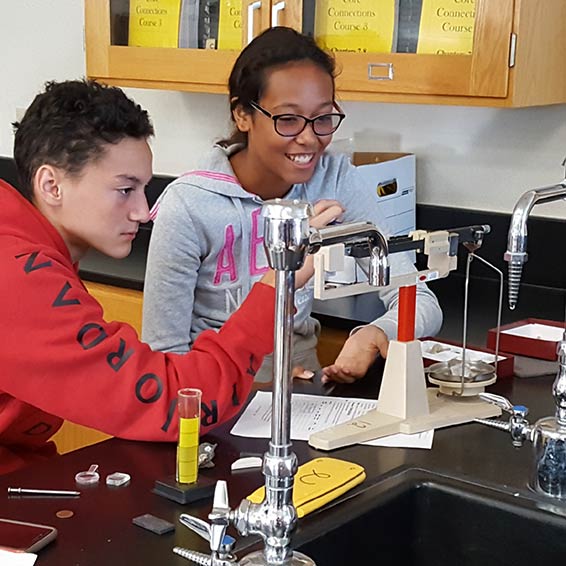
[(226, 262), (256, 241)]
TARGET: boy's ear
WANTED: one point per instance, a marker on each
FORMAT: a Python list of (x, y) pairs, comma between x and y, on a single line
[(242, 118), (46, 185)]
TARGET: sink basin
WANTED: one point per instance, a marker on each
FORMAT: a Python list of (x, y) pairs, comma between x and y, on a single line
[(422, 519)]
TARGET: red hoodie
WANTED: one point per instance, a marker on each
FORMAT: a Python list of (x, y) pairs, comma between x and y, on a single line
[(59, 357)]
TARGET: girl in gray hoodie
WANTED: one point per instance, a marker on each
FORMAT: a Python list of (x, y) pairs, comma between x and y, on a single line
[(206, 249)]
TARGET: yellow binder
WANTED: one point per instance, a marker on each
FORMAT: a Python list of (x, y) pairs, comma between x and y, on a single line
[(230, 25), (154, 23), (365, 26), (447, 27)]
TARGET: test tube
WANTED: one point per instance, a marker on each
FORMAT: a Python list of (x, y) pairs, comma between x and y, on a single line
[(188, 401)]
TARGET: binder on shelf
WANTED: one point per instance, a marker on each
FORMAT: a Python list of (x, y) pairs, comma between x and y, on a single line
[(192, 24), (446, 27), (154, 23), (188, 26), (408, 23), (199, 27), (365, 26), (230, 24)]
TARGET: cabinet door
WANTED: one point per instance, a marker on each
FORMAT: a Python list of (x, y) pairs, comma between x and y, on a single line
[(422, 47), (169, 44), (258, 15)]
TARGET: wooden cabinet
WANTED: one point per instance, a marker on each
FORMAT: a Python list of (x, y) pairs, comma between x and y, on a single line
[(119, 304), (110, 59), (517, 57), (124, 305)]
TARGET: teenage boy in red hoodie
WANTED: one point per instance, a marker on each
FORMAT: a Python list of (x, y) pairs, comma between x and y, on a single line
[(83, 160)]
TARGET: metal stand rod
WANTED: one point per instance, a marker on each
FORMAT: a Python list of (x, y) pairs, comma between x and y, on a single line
[(283, 344), (471, 257)]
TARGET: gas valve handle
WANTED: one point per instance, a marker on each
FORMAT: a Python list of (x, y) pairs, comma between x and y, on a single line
[(518, 425), (504, 404), (219, 518), (203, 529)]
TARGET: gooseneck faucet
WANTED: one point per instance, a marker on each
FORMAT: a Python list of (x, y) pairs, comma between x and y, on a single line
[(516, 254), (287, 240), (548, 434)]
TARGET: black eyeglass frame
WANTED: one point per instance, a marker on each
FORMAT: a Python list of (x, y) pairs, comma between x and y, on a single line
[(311, 121)]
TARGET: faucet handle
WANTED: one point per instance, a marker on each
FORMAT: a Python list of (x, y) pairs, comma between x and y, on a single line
[(203, 529), (518, 426), (199, 526), (502, 402), (219, 516)]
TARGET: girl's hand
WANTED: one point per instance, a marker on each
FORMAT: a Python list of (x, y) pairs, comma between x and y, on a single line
[(325, 212), (357, 355)]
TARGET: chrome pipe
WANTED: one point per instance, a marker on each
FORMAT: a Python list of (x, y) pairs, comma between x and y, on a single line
[(516, 255)]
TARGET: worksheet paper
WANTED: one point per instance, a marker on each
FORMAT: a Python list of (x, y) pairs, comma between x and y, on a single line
[(311, 413), (8, 558)]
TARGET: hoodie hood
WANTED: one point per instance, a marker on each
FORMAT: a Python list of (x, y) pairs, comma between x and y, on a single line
[(214, 175), (22, 221)]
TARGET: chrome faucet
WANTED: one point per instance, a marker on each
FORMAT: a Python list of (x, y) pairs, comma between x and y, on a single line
[(287, 240), (516, 254), (354, 234), (548, 435)]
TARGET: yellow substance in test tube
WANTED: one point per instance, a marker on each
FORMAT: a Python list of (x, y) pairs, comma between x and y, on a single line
[(187, 450)]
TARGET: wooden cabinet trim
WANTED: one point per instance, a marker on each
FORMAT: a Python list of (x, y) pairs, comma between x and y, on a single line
[(482, 79)]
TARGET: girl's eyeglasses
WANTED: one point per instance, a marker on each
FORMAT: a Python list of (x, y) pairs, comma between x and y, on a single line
[(290, 125)]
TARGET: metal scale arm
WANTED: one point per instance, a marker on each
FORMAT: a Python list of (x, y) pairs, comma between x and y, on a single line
[(338, 242)]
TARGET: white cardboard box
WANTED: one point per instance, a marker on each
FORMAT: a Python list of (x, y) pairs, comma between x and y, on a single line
[(389, 181)]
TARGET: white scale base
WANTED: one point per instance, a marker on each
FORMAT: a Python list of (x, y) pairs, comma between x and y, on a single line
[(405, 405)]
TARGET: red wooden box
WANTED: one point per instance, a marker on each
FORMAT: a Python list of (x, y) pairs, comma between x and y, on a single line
[(505, 362), (531, 345)]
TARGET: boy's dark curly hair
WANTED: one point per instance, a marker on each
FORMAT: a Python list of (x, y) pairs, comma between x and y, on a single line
[(69, 124), (275, 47)]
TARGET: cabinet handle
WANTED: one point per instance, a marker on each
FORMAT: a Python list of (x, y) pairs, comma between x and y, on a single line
[(276, 8), (251, 9), (380, 71)]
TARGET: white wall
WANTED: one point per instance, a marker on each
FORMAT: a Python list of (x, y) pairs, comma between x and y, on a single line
[(479, 158)]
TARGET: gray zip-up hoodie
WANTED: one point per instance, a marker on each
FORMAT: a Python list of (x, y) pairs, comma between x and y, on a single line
[(206, 251)]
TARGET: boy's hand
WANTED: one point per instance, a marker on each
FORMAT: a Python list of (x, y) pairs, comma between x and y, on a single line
[(325, 211), (357, 355)]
